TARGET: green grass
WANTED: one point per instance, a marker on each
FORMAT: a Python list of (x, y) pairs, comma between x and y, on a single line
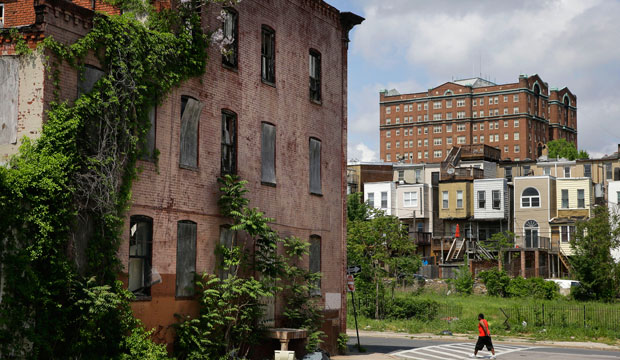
[(474, 304)]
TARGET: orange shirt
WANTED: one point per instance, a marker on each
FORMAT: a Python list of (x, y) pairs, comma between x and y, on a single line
[(481, 330)]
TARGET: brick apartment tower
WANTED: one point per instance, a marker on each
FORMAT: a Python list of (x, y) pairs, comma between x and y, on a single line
[(259, 113), (517, 118)]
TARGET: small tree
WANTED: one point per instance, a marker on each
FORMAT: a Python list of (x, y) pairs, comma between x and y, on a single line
[(564, 149), (464, 282), (592, 262), (381, 246), (499, 242)]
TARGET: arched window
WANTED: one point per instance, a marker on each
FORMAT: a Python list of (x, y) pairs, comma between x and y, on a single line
[(566, 108), (140, 254), (186, 258), (530, 198), (530, 229), (536, 97)]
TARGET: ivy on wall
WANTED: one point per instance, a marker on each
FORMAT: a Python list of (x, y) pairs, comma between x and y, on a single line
[(70, 189)]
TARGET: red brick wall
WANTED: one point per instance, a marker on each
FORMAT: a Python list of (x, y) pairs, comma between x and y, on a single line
[(168, 193)]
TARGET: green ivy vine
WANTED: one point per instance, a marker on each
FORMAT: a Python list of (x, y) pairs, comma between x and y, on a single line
[(71, 187)]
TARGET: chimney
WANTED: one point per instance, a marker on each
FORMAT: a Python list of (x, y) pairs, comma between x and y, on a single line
[(618, 150)]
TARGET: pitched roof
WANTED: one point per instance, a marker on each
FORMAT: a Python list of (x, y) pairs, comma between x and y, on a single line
[(474, 82)]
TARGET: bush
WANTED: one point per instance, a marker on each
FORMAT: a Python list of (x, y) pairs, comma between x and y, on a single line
[(463, 283), (496, 282), (534, 287), (412, 308)]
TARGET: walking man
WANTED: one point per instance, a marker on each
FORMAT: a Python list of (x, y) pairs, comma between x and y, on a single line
[(484, 337)]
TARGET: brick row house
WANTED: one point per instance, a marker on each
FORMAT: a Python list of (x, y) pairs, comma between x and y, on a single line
[(272, 110), (516, 118)]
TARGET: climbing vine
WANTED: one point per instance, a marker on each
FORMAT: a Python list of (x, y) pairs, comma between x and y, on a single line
[(67, 192)]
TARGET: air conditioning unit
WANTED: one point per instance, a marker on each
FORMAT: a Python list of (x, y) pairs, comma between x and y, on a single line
[(401, 182)]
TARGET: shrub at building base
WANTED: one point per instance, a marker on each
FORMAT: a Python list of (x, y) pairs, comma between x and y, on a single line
[(231, 308), (498, 283)]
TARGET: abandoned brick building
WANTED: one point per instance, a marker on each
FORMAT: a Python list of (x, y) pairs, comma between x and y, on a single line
[(272, 111)]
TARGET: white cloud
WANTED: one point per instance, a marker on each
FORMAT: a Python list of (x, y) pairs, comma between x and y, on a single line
[(361, 152), (570, 43)]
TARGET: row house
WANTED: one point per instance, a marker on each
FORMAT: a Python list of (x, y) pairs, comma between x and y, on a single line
[(614, 208)]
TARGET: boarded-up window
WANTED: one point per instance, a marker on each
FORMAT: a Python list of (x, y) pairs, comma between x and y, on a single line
[(228, 240), (229, 142), (140, 254), (9, 85), (314, 259), (315, 166), (148, 150), (88, 78), (190, 117), (268, 154), (186, 257)]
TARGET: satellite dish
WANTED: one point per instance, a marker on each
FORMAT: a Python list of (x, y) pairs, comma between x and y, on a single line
[(450, 171)]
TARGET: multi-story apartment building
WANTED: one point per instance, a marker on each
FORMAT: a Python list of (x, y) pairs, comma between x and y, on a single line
[(275, 106), (516, 118)]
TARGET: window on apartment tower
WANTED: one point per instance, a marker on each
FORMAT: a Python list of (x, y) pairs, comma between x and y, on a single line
[(481, 199), (190, 119), (497, 199), (315, 76), (268, 55), (315, 166), (268, 153), (229, 142), (530, 197), (140, 254), (314, 262), (231, 34), (186, 258)]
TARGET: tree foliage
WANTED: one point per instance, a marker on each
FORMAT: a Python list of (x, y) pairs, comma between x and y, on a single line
[(561, 148), (356, 209), (381, 246), (591, 261)]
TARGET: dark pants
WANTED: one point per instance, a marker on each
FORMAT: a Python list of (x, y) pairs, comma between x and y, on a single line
[(484, 341)]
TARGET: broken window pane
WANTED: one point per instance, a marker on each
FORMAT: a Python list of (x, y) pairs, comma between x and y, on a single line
[(190, 117), (314, 259), (268, 55), (315, 75), (268, 154), (88, 78), (315, 166), (186, 257), (140, 254), (229, 142), (231, 34), (9, 86)]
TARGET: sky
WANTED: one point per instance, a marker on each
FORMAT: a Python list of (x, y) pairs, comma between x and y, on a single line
[(414, 45)]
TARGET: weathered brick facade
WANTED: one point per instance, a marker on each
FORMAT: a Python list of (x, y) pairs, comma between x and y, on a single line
[(517, 118), (168, 193)]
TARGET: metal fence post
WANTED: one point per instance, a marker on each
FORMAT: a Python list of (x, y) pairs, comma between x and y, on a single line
[(584, 316), (543, 314)]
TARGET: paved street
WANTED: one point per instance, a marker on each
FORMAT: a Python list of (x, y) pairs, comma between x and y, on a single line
[(402, 347)]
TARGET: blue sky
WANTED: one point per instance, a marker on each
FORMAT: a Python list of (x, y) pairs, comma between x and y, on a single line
[(414, 45)]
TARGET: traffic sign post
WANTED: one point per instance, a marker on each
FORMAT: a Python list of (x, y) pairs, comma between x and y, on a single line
[(351, 270), (351, 289)]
